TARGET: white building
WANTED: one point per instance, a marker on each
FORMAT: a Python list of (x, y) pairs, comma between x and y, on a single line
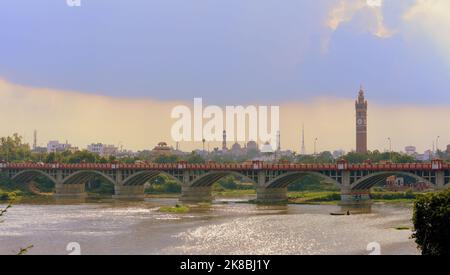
[(103, 150), (54, 146), (338, 154), (411, 150)]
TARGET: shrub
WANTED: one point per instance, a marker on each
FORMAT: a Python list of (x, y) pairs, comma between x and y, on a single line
[(431, 220)]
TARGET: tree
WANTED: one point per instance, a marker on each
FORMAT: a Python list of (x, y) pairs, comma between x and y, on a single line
[(166, 159), (195, 158), (431, 220), (12, 149)]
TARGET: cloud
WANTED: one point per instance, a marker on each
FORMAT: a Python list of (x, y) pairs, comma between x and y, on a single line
[(430, 19), (346, 10), (140, 124)]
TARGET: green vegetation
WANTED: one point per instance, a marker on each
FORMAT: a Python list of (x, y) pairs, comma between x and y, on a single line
[(100, 186), (163, 184), (377, 156), (312, 183), (9, 196), (175, 209), (232, 186), (431, 221), (24, 251), (313, 197), (387, 196), (234, 193)]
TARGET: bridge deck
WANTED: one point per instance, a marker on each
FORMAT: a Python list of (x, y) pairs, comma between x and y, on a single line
[(216, 166)]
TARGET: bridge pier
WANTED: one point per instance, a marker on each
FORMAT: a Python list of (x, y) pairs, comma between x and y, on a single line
[(271, 195), (355, 197), (129, 192), (70, 190), (194, 194)]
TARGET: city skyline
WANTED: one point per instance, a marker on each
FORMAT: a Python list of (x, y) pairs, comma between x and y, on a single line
[(296, 148)]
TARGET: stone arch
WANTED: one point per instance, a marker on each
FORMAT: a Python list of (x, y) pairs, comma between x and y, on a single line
[(28, 175), (373, 179), (85, 175), (140, 178), (211, 177), (285, 180)]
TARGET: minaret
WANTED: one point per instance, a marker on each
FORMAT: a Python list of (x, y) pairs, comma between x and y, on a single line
[(303, 149), (34, 139), (224, 141), (361, 123), (278, 141)]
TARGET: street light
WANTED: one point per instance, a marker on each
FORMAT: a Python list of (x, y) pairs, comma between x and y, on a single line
[(390, 148), (437, 145), (315, 146)]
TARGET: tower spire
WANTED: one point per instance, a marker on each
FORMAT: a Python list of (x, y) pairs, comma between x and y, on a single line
[(224, 141), (361, 122), (303, 149)]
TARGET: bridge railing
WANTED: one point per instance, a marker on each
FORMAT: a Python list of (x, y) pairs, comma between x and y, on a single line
[(231, 166)]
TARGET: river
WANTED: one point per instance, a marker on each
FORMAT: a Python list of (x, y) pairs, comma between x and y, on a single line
[(224, 227)]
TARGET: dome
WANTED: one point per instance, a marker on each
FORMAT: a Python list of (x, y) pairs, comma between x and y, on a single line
[(267, 148), (236, 147), (252, 145)]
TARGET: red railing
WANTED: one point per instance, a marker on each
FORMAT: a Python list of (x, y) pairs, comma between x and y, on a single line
[(221, 166)]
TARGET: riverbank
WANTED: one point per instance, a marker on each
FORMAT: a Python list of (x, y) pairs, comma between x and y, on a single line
[(304, 197)]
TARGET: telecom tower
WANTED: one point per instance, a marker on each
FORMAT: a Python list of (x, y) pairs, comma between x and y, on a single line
[(34, 139), (303, 149)]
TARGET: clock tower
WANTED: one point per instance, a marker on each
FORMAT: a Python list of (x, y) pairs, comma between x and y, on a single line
[(361, 123)]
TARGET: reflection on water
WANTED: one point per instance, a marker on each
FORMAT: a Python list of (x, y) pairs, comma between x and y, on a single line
[(226, 227)]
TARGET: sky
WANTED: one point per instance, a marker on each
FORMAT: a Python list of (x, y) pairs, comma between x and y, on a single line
[(67, 71)]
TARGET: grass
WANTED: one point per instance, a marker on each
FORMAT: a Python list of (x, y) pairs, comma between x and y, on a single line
[(234, 192), (325, 197), (175, 209)]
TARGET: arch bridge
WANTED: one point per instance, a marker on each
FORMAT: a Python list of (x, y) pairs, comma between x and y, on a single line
[(271, 180)]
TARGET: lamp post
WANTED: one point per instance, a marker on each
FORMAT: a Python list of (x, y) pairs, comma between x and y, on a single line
[(315, 149), (390, 148), (437, 145)]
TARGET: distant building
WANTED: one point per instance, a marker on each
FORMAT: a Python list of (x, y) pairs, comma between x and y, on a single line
[(252, 145), (427, 155), (55, 146), (411, 150), (103, 150), (162, 149), (267, 148), (267, 153)]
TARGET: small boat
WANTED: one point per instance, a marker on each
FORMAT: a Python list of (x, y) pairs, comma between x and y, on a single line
[(341, 214), (338, 214)]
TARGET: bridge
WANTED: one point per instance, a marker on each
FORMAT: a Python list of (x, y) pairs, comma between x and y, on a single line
[(196, 180)]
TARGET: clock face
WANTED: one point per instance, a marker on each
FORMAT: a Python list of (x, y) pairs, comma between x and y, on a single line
[(359, 121)]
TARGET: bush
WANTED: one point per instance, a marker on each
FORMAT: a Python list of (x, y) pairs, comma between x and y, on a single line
[(9, 196), (432, 223)]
